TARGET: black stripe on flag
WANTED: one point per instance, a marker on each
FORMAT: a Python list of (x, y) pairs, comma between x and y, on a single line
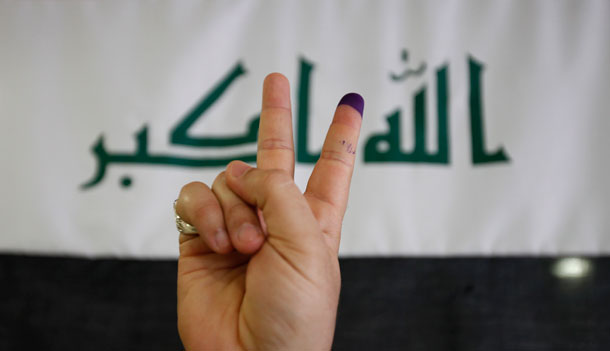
[(466, 303)]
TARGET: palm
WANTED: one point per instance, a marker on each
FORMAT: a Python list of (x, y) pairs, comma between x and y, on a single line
[(228, 301), (225, 291)]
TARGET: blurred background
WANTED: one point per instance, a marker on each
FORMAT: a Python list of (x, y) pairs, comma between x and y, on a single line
[(478, 217)]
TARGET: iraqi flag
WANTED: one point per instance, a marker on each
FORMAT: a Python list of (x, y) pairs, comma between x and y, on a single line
[(478, 215)]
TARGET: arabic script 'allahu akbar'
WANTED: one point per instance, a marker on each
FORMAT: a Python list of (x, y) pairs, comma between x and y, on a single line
[(379, 148)]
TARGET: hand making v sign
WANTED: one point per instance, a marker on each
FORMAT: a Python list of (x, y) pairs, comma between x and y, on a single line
[(263, 273)]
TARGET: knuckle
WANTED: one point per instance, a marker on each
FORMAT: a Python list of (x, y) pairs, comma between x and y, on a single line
[(275, 179), (337, 157), (276, 144), (189, 194), (196, 201), (220, 180), (275, 184), (237, 210), (205, 209), (276, 108), (191, 187)]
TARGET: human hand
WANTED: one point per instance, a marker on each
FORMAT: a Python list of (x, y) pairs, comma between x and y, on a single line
[(272, 282)]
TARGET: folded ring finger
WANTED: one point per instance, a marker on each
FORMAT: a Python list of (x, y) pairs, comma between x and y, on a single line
[(198, 206)]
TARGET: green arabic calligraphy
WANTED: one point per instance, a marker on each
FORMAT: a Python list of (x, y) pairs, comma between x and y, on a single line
[(387, 147), (302, 153), (141, 156), (408, 72), (381, 147), (179, 135), (477, 137)]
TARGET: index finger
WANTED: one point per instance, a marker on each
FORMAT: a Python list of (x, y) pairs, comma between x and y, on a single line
[(275, 144), (331, 177)]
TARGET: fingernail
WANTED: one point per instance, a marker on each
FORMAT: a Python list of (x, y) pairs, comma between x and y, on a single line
[(221, 238), (248, 232), (239, 168), (354, 100)]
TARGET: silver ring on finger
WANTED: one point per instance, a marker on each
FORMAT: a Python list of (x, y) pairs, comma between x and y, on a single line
[(182, 226)]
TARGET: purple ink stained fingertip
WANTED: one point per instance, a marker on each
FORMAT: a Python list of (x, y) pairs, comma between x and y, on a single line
[(354, 100)]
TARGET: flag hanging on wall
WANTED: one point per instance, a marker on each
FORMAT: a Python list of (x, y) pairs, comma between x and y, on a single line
[(484, 134)]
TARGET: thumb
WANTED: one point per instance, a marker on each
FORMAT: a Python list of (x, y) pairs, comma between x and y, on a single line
[(285, 210)]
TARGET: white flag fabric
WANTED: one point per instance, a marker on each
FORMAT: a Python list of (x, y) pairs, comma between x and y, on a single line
[(485, 122)]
